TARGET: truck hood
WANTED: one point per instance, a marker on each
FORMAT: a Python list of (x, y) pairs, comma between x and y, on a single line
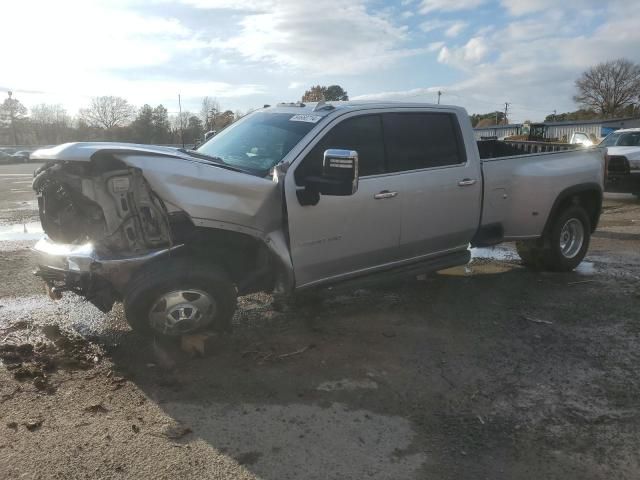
[(84, 151), (632, 153), (211, 195)]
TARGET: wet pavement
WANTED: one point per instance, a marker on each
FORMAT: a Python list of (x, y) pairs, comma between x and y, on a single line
[(482, 371)]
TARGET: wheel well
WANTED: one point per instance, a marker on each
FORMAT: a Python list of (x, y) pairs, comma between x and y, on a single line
[(588, 197), (247, 260)]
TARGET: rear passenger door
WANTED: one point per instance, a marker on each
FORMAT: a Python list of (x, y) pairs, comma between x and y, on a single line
[(441, 189)]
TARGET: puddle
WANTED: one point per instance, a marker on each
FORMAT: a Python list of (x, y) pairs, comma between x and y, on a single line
[(586, 268), (21, 231), (71, 312)]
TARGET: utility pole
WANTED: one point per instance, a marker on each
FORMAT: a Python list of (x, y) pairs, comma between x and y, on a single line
[(181, 120), (439, 94), (554, 114), (506, 110)]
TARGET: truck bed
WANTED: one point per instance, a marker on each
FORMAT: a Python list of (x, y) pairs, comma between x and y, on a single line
[(520, 189), (511, 148)]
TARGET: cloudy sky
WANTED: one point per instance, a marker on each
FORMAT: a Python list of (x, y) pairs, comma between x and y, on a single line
[(480, 53)]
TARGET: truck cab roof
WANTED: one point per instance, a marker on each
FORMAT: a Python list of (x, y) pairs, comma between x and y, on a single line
[(325, 108)]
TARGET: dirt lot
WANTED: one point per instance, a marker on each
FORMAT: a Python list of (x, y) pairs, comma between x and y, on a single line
[(489, 371)]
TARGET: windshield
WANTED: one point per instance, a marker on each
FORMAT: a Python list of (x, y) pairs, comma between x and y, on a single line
[(258, 142), (618, 139)]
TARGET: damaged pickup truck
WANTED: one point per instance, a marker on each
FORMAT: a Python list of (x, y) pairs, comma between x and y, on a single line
[(299, 196)]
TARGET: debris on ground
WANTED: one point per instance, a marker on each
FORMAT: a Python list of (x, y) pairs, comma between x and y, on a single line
[(176, 431), (33, 425), (537, 320), (96, 408), (198, 344)]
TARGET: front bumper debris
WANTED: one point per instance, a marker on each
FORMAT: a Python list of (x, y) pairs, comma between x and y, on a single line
[(82, 269)]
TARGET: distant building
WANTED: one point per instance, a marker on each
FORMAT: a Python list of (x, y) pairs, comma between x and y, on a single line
[(562, 130)]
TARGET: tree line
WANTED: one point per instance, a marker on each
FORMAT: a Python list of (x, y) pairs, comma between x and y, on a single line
[(108, 118)]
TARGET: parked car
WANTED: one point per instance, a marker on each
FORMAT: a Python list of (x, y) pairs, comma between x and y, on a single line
[(623, 158), (295, 197), (21, 156), (581, 138)]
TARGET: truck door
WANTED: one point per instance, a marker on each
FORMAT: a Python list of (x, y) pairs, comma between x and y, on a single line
[(441, 185), (344, 235)]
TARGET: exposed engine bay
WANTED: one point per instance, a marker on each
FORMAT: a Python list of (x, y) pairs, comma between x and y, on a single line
[(105, 202)]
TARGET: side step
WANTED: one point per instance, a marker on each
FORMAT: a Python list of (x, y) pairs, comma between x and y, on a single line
[(404, 272)]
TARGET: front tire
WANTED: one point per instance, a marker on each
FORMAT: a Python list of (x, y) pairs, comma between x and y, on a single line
[(179, 297)]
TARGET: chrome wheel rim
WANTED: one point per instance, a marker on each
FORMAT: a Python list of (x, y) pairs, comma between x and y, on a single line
[(182, 311), (571, 238)]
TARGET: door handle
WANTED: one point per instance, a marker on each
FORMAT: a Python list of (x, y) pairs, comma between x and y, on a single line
[(467, 182), (385, 194)]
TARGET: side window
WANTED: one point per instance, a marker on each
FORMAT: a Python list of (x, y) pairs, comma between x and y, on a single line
[(422, 140), (362, 134)]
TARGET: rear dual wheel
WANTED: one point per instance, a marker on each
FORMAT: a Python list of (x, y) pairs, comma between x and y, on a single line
[(564, 245)]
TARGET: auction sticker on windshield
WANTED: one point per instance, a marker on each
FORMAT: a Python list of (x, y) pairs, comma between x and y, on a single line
[(306, 118)]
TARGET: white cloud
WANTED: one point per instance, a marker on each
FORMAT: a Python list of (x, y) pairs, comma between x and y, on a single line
[(466, 56), (293, 85), (338, 38), (455, 29), (427, 6), (451, 28), (415, 94)]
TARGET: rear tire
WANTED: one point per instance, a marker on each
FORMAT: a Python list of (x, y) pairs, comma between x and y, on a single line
[(179, 296), (564, 245)]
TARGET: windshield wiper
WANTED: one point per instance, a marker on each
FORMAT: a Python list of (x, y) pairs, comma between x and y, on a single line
[(211, 158)]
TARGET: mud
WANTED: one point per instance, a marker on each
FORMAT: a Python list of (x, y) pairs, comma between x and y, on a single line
[(483, 371)]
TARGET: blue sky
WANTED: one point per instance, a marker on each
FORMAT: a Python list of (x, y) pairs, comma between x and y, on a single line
[(479, 53)]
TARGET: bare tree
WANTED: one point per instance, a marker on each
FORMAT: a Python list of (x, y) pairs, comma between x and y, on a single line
[(609, 87), (209, 112), (50, 123), (108, 112), (12, 115)]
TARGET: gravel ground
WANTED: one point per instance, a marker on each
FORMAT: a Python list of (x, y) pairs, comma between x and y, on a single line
[(484, 371)]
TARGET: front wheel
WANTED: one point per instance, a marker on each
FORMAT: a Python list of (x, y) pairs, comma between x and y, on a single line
[(564, 245), (179, 297)]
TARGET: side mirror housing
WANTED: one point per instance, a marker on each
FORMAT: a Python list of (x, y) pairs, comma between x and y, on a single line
[(339, 177)]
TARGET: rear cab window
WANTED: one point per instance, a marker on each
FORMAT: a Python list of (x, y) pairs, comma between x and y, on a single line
[(422, 140)]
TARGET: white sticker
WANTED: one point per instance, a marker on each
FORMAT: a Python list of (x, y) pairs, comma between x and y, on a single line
[(306, 118)]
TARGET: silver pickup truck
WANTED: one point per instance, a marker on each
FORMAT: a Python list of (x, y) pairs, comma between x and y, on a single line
[(299, 196)]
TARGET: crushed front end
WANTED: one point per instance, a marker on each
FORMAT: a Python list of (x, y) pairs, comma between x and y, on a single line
[(102, 221)]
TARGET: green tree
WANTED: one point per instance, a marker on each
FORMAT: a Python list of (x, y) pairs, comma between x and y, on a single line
[(161, 125), (195, 130), (142, 127), (224, 119), (335, 93), (318, 93), (480, 120)]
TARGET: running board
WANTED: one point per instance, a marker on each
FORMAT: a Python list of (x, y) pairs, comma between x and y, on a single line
[(403, 272)]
